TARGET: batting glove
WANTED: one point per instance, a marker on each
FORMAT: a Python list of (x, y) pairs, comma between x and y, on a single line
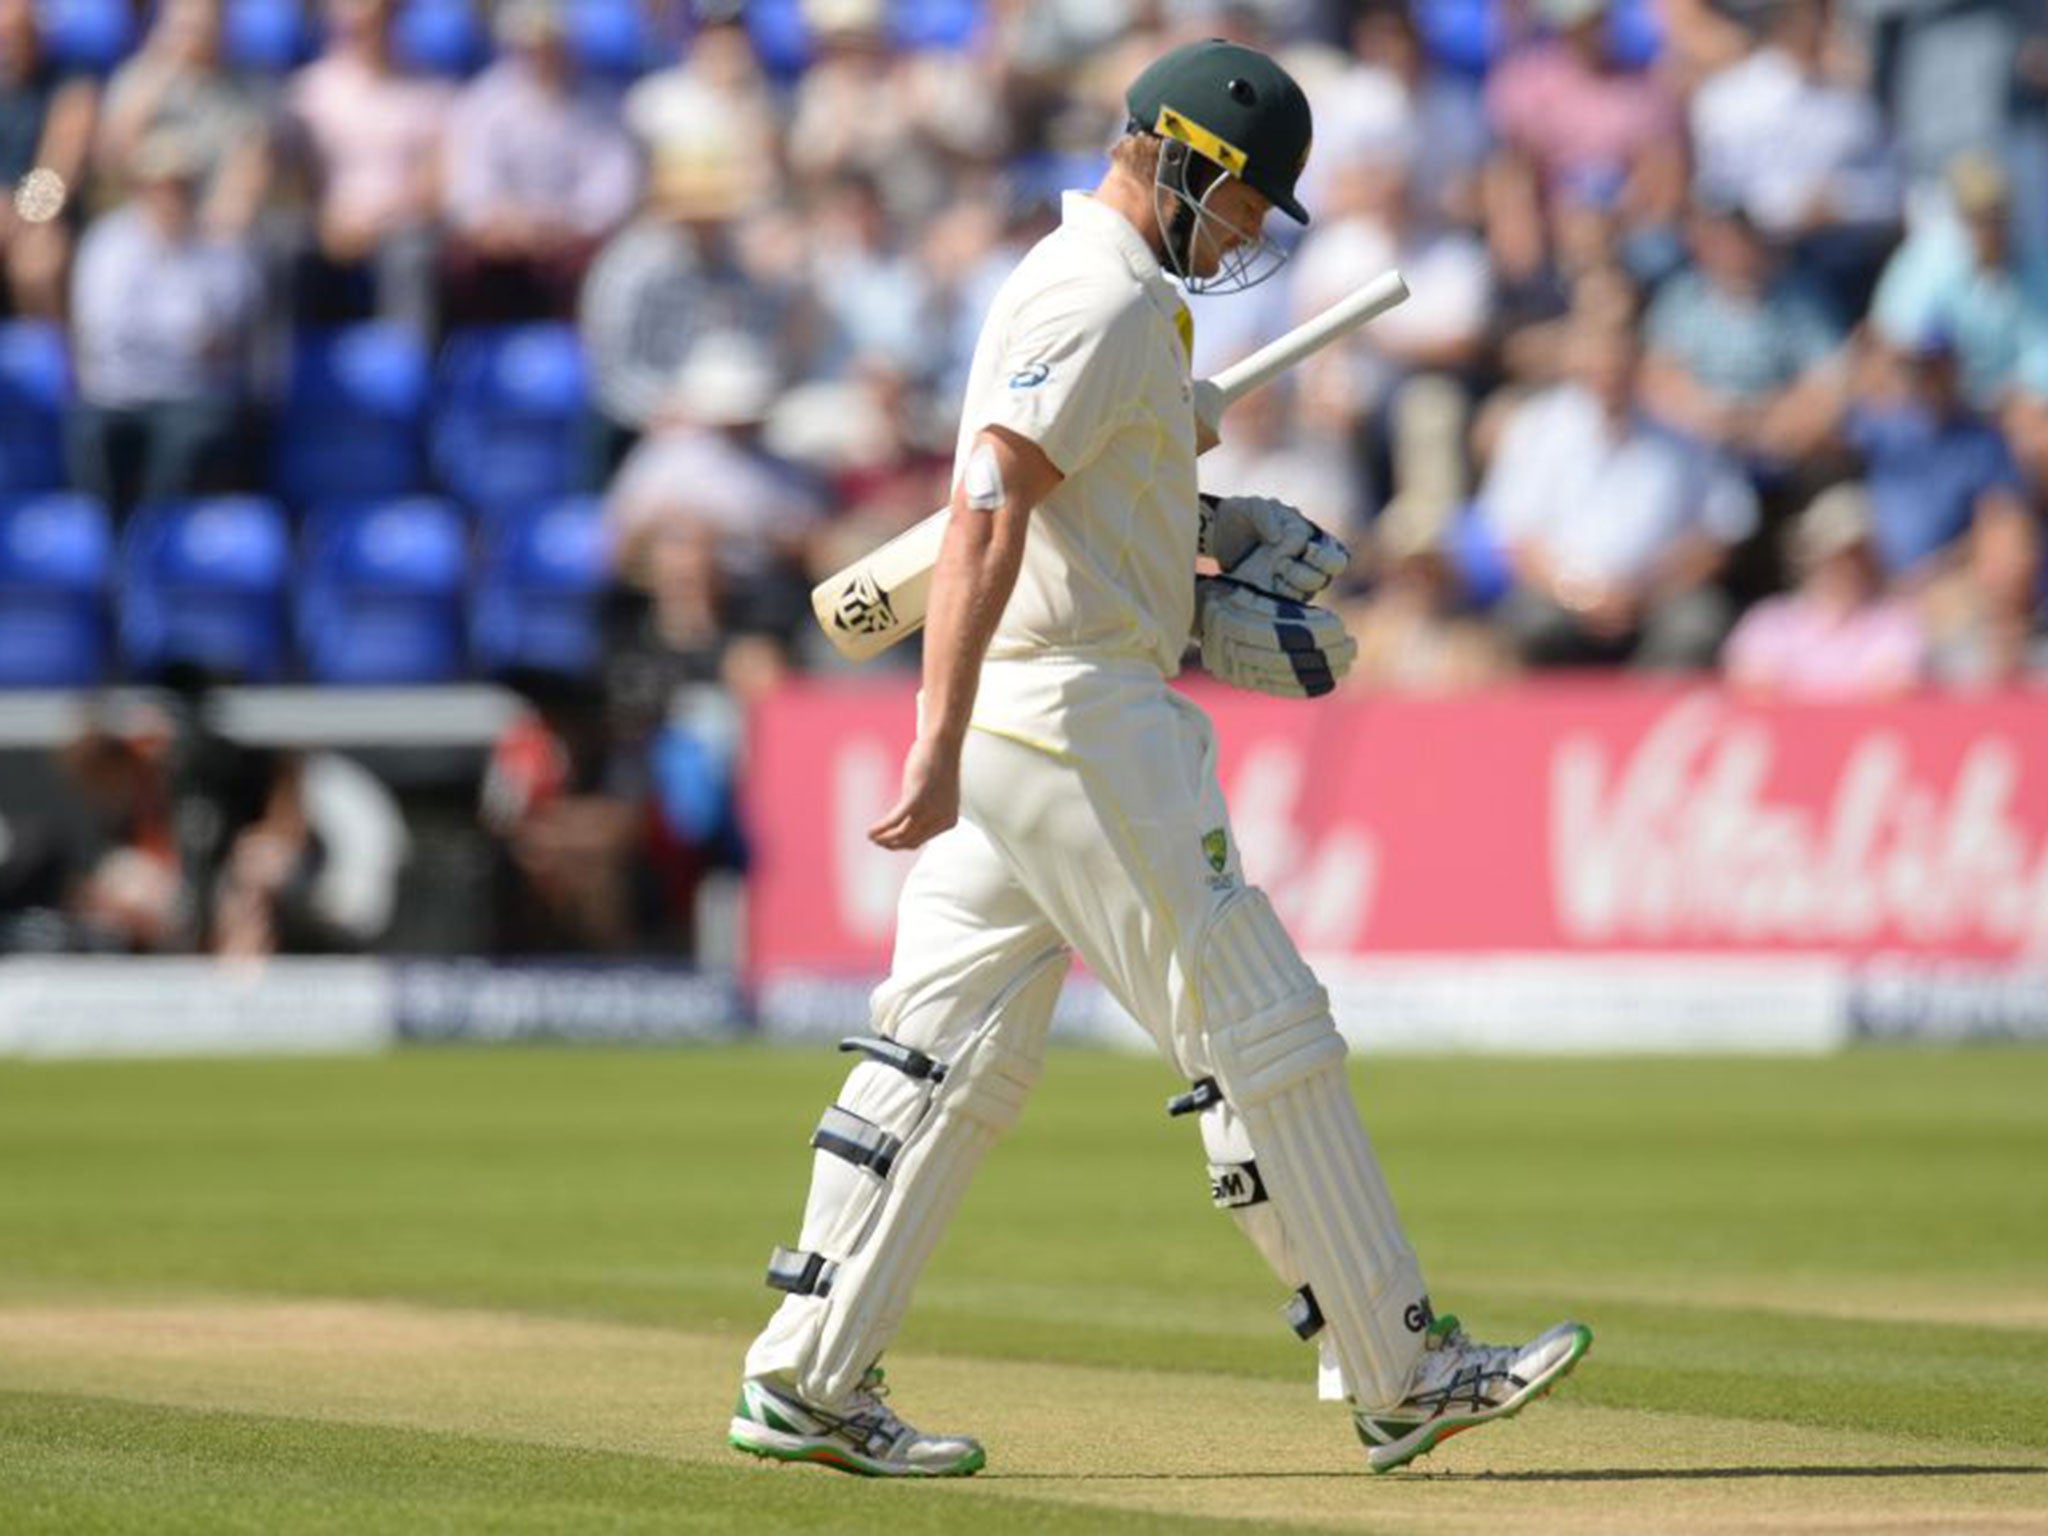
[(1267, 544), (1269, 644)]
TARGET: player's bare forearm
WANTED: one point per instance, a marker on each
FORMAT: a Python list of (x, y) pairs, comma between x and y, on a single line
[(971, 585)]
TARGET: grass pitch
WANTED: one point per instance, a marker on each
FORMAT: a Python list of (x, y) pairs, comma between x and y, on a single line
[(509, 1290)]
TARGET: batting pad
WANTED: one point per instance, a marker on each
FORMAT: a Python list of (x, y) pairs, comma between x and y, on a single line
[(895, 1154), (1280, 1062)]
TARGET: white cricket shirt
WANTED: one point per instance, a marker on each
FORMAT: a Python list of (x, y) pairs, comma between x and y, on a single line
[(1085, 353)]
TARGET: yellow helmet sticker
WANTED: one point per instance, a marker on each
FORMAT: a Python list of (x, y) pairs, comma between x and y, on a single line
[(1172, 125)]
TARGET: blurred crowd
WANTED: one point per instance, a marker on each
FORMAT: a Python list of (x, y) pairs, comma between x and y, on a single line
[(1728, 344)]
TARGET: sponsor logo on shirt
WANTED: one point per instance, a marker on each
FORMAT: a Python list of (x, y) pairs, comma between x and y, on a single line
[(1032, 377)]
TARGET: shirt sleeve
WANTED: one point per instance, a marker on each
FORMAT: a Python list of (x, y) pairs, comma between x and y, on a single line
[(1071, 370)]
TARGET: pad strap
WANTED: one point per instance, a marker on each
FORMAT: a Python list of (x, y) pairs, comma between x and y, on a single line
[(910, 1062), (1198, 1098), (800, 1273), (860, 1142), (1303, 1315)]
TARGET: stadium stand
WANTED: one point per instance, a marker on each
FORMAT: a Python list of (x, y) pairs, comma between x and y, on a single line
[(88, 35), (536, 606), (441, 37), (35, 382), (203, 589), (266, 37), (56, 566), (380, 593), (351, 426), (509, 423)]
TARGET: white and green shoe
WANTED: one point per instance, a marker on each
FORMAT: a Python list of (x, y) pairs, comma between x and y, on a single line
[(1459, 1385), (865, 1436)]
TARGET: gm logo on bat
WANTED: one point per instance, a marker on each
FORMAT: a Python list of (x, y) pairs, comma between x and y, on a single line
[(1032, 377)]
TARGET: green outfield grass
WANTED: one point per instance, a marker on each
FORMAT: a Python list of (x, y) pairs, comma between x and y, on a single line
[(508, 1290)]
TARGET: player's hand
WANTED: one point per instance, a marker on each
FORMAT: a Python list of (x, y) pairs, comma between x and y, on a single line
[(1269, 545), (930, 802), (1268, 644)]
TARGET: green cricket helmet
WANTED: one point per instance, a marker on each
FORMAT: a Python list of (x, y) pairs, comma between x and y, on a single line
[(1233, 106)]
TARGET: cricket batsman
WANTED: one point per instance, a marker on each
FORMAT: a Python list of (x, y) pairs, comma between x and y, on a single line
[(1065, 801)]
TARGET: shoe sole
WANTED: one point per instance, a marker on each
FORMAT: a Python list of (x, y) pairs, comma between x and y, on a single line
[(775, 1445), (1386, 1458)]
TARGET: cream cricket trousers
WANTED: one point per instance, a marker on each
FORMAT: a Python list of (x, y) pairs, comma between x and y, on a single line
[(1094, 826)]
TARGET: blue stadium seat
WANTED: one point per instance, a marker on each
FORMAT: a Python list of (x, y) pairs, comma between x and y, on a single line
[(1635, 33), (537, 598), (266, 37), (935, 23), (88, 35), (614, 38), (352, 424), (781, 38), (35, 384), (380, 592), (1463, 36), (56, 564), (203, 585), (440, 37), (510, 428)]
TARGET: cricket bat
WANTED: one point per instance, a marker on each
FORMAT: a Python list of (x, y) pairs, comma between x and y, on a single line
[(881, 598)]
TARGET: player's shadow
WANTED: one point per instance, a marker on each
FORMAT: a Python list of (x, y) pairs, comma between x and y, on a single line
[(1583, 1475)]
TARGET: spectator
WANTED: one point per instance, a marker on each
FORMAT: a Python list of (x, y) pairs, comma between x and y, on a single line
[(1841, 633), (903, 120), (162, 318), (1802, 153), (673, 276), (704, 467), (1964, 278), (1390, 100), (369, 135), (872, 439), (2025, 420), (1372, 225), (176, 84), (46, 126), (1985, 620), (1738, 351), (1412, 632), (875, 295), (1294, 440), (539, 170), (1952, 77), (1615, 527), (1562, 110), (103, 861), (317, 871), (1938, 472), (719, 84), (566, 814), (680, 670)]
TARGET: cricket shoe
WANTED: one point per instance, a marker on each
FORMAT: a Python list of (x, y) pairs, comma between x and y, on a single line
[(1459, 1385), (865, 1436)]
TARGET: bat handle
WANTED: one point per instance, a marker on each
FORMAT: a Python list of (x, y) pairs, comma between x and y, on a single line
[(1210, 404)]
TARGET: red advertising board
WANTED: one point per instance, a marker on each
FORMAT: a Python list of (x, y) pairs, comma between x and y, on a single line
[(1558, 818)]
